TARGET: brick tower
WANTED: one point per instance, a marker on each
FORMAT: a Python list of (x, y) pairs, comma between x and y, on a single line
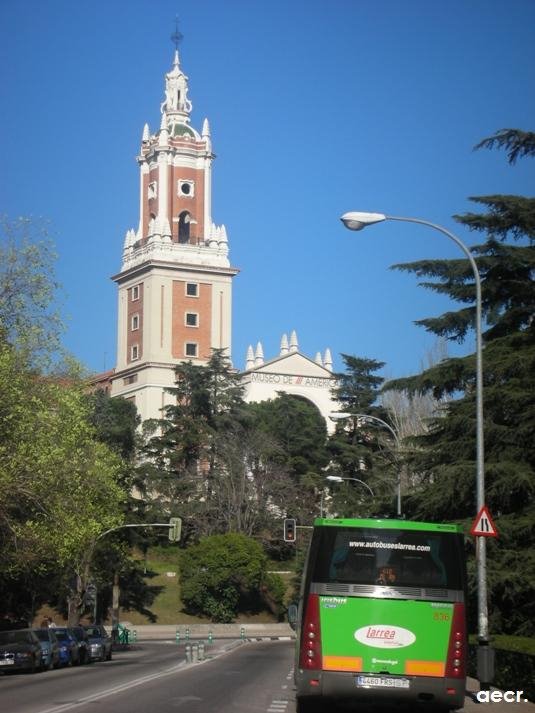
[(175, 283)]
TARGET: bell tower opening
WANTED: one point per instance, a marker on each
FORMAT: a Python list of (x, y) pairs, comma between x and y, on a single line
[(184, 223)]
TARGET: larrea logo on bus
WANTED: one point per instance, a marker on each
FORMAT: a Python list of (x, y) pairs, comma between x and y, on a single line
[(383, 636)]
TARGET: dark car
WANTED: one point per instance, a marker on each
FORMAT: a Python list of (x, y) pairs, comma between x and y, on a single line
[(83, 643), (99, 642), (69, 649), (20, 649), (49, 648)]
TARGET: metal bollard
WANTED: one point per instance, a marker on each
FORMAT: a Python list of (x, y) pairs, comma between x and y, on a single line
[(242, 632), (210, 637), (134, 636), (187, 634), (188, 653), (201, 650), (194, 653), (177, 636)]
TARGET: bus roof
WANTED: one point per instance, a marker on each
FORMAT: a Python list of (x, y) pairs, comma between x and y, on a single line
[(385, 524)]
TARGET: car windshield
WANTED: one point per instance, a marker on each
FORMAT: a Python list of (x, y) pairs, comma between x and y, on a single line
[(42, 634), (95, 631), (14, 637), (62, 635)]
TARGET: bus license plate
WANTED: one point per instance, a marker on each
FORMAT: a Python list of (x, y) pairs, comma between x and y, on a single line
[(381, 682)]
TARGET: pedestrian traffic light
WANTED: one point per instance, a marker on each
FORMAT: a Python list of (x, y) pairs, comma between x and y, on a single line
[(175, 528), (289, 529)]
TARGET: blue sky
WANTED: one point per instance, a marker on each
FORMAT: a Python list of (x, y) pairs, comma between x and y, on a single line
[(317, 107)]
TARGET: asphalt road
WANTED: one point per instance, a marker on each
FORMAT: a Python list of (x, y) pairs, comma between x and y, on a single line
[(153, 678), (252, 677)]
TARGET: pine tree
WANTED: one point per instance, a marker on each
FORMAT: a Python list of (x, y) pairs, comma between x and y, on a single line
[(446, 457), (183, 454), (362, 450)]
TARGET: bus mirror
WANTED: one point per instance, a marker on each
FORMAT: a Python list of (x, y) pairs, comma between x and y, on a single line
[(292, 615)]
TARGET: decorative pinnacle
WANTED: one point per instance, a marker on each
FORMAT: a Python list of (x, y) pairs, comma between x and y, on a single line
[(177, 36)]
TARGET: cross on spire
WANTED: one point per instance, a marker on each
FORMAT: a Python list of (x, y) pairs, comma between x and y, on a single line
[(177, 36)]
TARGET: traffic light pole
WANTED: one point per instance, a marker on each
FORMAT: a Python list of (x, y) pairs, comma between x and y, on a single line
[(172, 526), (116, 588)]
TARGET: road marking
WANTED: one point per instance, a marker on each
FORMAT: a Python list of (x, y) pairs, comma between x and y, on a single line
[(115, 689)]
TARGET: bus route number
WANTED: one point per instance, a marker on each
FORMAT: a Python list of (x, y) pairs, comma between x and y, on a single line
[(441, 616)]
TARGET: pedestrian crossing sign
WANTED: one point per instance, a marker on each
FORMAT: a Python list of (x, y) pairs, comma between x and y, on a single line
[(483, 525)]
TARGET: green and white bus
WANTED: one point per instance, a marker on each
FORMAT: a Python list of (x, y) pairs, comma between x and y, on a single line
[(381, 615)]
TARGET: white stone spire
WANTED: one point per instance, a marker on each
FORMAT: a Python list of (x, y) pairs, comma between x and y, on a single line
[(176, 103), (163, 138), (223, 239), (249, 359), (146, 134), (284, 345), (294, 344), (259, 355), (328, 360), (318, 359)]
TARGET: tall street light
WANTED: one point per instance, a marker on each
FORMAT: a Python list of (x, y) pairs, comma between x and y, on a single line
[(339, 479), (358, 221), (365, 418)]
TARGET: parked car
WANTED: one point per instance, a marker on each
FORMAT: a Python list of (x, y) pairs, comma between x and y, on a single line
[(49, 648), (69, 649), (99, 642), (83, 643), (20, 649)]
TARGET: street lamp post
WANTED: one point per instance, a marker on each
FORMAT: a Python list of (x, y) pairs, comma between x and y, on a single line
[(339, 479), (340, 416), (358, 221)]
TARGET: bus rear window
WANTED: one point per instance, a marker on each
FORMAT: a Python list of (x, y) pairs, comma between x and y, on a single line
[(388, 557)]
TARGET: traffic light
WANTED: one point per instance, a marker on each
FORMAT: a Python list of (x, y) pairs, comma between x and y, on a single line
[(289, 529), (90, 596), (175, 529)]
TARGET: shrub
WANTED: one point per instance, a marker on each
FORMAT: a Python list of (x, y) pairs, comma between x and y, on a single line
[(223, 575)]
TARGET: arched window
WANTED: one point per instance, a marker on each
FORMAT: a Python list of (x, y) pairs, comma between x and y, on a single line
[(184, 221)]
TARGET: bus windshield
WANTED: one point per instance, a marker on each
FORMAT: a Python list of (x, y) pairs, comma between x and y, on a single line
[(388, 557)]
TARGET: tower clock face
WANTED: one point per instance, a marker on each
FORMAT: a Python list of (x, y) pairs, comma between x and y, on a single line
[(186, 189)]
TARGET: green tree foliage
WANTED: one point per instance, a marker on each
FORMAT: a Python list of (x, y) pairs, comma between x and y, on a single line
[(115, 422), (297, 428), (224, 575), (210, 456), (183, 454), (291, 433), (360, 449), (58, 485), (29, 320), (446, 455)]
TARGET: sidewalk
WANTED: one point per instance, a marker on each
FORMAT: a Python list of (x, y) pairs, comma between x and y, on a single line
[(148, 632)]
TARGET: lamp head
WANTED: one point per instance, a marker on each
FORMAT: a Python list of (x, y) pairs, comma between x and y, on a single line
[(335, 478), (357, 221), (339, 416)]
